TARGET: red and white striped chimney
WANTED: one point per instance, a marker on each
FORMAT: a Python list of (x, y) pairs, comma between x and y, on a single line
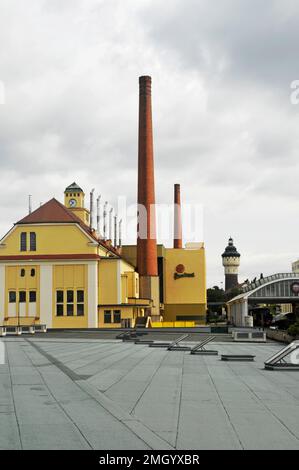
[(177, 229)]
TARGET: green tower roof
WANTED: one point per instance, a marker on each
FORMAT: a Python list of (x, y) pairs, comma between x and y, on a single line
[(73, 188)]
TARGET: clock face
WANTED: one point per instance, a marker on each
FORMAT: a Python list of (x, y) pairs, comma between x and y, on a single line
[(73, 202)]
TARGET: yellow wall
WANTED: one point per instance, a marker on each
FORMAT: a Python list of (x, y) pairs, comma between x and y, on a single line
[(109, 281), (50, 239), (82, 213), (188, 290), (184, 290), (102, 251), (126, 267), (129, 279), (117, 281), (15, 282), (185, 296), (129, 252), (130, 286), (70, 277), (126, 313), (124, 289), (172, 311)]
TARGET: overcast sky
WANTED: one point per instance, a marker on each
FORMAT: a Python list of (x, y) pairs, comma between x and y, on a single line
[(224, 126)]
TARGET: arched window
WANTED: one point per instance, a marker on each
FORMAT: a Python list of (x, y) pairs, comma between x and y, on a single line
[(32, 272), (23, 241), (22, 272), (32, 241)]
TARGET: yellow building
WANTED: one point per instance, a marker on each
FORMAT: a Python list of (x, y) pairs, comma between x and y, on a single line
[(182, 275), (54, 270)]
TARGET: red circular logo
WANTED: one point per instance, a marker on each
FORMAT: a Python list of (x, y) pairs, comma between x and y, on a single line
[(180, 269)]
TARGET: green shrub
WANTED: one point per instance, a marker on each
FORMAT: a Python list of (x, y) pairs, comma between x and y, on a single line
[(293, 330)]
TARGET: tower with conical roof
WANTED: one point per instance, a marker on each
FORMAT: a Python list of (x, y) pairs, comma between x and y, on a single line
[(231, 263)]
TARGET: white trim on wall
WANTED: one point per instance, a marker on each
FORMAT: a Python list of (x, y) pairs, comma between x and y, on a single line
[(46, 294), (118, 281), (92, 283), (2, 293)]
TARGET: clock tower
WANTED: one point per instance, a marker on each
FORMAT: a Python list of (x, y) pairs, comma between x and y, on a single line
[(74, 201)]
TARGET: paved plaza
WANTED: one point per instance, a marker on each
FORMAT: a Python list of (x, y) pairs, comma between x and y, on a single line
[(85, 393)]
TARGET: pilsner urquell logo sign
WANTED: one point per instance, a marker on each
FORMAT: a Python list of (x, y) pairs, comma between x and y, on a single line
[(180, 272)]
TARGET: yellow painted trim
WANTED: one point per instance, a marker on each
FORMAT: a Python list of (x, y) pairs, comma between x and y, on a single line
[(174, 324)]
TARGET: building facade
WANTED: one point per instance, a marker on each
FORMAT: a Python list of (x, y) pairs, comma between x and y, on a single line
[(55, 270), (182, 281)]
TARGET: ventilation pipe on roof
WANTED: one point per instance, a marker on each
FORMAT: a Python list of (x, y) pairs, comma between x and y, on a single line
[(30, 203), (98, 214), (110, 223), (92, 209), (105, 221), (115, 230), (120, 233)]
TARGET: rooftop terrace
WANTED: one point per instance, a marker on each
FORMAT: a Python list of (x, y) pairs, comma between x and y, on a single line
[(81, 392)]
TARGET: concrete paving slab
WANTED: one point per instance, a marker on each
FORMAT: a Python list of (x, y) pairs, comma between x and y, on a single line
[(131, 387), (159, 405), (9, 431), (152, 440), (204, 427), (62, 436), (118, 370)]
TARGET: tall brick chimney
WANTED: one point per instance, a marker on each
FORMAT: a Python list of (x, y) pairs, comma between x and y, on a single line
[(147, 265), (177, 229)]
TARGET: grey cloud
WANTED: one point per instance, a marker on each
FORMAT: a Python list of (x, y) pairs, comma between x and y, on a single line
[(250, 40), (223, 123)]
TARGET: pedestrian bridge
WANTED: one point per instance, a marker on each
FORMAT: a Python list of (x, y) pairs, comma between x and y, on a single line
[(276, 289)]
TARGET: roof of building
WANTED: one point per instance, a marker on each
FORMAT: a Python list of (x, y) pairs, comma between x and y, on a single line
[(54, 212), (231, 250), (73, 188), (51, 212)]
